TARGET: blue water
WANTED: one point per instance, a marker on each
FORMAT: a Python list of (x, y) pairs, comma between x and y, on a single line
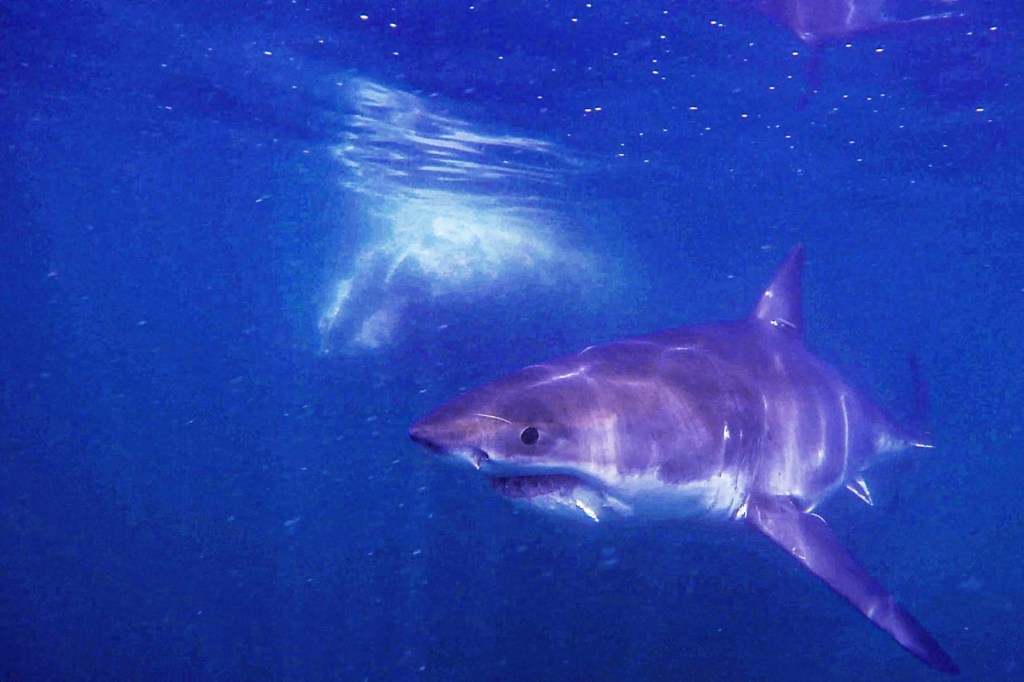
[(246, 244)]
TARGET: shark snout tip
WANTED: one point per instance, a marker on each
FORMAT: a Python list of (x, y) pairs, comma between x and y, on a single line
[(421, 435)]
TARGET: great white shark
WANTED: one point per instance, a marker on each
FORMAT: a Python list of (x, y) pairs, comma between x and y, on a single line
[(730, 420)]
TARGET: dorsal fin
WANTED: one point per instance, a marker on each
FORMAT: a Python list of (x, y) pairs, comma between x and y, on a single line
[(780, 304)]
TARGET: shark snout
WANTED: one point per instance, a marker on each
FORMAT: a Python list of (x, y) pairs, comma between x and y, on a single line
[(441, 432), (422, 435), (448, 434), (450, 428)]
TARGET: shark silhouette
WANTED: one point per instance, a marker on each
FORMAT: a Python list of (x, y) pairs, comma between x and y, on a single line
[(731, 420), (820, 21)]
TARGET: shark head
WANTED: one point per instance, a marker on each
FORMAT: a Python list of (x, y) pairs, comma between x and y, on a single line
[(524, 432)]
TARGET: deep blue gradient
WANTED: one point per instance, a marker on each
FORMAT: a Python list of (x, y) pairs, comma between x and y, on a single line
[(190, 489)]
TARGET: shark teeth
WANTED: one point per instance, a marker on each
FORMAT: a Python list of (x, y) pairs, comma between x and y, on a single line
[(561, 492), (536, 486)]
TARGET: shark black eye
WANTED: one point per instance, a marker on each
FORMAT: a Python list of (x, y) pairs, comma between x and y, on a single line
[(529, 435)]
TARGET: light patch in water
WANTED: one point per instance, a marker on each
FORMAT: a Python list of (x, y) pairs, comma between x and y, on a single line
[(455, 212)]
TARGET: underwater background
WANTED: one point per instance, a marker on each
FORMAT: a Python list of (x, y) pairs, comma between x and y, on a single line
[(246, 244)]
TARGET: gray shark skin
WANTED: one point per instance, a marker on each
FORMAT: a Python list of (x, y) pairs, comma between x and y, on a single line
[(729, 420)]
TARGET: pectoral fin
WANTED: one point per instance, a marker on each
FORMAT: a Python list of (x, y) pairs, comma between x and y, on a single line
[(809, 539)]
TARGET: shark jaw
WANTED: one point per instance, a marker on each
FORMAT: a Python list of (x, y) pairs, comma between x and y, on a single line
[(562, 494), (596, 496), (561, 490)]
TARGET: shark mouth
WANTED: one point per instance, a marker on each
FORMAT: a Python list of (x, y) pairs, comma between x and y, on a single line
[(557, 490), (561, 493), (526, 487)]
